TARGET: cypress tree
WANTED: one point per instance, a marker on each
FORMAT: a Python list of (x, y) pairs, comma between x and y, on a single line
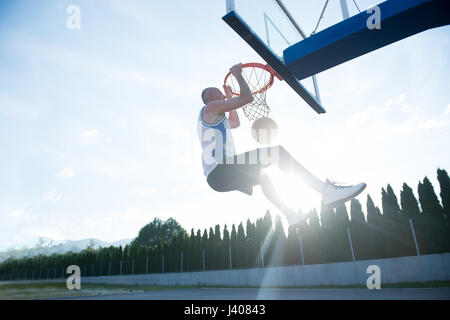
[(225, 245), (391, 212), (217, 248), (265, 235), (252, 248), (358, 230), (375, 225), (312, 242), (267, 222), (328, 233), (125, 262), (171, 261), (393, 203), (409, 203), (434, 218), (234, 246), (278, 243), (197, 264), (444, 183), (180, 248), (343, 252), (204, 247), (190, 259), (401, 229), (210, 252), (293, 256), (410, 207), (241, 247)]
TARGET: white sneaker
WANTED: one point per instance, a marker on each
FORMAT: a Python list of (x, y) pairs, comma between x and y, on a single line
[(295, 218), (334, 195)]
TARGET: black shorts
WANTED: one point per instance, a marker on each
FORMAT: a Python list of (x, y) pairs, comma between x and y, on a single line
[(232, 175)]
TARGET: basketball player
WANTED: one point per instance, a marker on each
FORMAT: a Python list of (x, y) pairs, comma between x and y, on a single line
[(225, 171)]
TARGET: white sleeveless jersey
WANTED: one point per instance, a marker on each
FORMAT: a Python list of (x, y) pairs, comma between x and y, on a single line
[(216, 140)]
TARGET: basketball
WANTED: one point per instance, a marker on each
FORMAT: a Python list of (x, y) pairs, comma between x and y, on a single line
[(264, 130)]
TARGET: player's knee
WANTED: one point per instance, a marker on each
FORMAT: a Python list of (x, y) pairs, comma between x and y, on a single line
[(282, 157), (263, 176), (279, 152)]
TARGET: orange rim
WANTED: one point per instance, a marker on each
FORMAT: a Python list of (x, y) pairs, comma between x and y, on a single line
[(256, 65)]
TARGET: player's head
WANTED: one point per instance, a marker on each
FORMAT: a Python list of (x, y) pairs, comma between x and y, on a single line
[(212, 94)]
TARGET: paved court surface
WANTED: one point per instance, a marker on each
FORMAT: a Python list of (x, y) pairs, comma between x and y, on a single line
[(283, 294)]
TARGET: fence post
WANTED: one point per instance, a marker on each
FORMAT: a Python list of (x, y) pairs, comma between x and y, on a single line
[(92, 270), (110, 267), (301, 250), (181, 261), (120, 272), (132, 265), (351, 245), (162, 264), (414, 236), (146, 265), (229, 255), (101, 264), (203, 260), (262, 253)]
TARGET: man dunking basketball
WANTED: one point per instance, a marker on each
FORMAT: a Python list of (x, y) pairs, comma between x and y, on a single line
[(225, 171)]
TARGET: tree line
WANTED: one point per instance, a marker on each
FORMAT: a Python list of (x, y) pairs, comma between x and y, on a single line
[(402, 227)]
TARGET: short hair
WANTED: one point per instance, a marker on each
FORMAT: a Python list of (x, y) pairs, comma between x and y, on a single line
[(205, 100)]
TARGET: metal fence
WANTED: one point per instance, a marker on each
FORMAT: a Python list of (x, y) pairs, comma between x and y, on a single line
[(142, 266)]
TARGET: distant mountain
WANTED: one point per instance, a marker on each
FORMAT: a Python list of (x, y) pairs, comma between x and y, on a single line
[(48, 246)]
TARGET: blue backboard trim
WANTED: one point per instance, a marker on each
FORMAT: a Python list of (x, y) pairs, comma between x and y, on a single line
[(352, 38)]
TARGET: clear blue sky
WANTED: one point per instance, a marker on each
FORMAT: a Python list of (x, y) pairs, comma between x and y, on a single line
[(97, 125)]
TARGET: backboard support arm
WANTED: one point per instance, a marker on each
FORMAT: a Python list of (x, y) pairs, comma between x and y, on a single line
[(344, 8)]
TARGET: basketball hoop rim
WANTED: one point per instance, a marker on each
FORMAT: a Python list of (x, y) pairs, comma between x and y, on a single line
[(268, 68)]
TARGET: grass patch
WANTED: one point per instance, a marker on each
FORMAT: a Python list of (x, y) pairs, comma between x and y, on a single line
[(46, 290)]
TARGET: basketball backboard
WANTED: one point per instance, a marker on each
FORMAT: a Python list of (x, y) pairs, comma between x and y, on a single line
[(273, 32), (269, 28)]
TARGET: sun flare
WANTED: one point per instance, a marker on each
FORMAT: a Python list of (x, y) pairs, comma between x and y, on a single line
[(294, 193)]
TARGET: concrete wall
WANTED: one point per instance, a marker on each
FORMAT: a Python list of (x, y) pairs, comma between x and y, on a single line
[(434, 267)]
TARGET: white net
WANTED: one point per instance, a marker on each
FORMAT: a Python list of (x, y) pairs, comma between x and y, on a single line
[(259, 80)]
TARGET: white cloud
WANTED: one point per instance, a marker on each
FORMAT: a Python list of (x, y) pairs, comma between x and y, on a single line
[(17, 213), (20, 215), (92, 134), (66, 173), (51, 196), (122, 223), (397, 115), (447, 111), (399, 103), (145, 191)]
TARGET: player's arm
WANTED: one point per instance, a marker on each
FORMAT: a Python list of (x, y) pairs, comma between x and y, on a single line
[(233, 117), (219, 107)]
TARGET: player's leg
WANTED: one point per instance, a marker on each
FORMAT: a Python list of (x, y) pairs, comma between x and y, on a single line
[(279, 156), (332, 195), (269, 191)]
